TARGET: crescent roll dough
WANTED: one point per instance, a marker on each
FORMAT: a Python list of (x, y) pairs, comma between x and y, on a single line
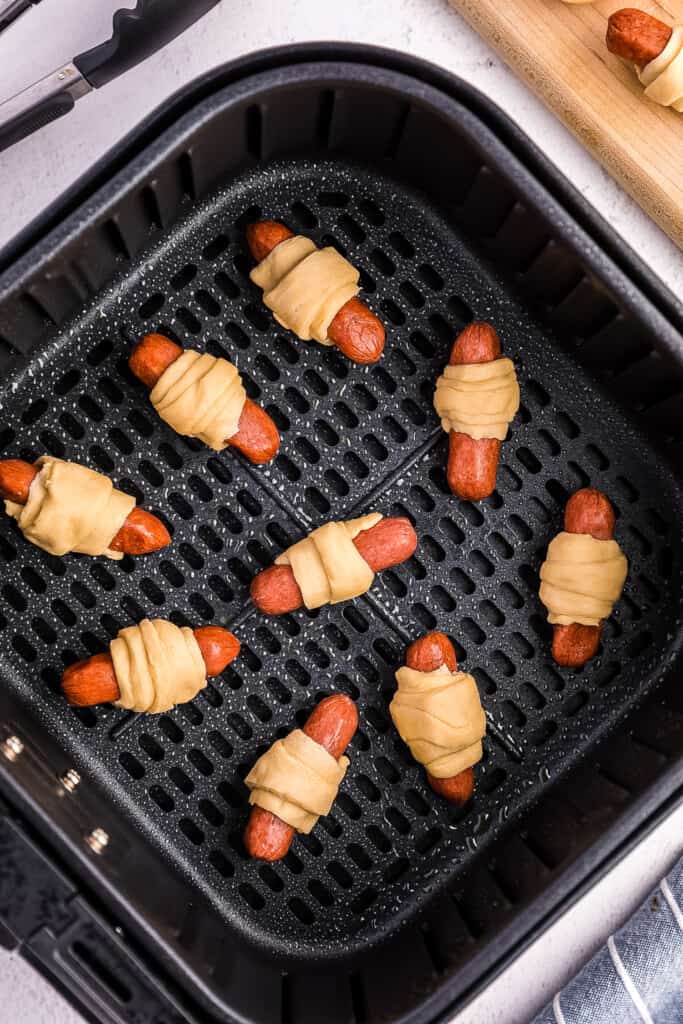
[(157, 665), (582, 579), (201, 396), (305, 287), (71, 508), (663, 76), (479, 399), (297, 780), (327, 565), (439, 716)]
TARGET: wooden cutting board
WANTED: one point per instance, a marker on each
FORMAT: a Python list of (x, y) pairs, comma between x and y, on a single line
[(559, 50)]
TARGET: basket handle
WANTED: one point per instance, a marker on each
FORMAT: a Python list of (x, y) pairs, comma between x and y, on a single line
[(137, 34)]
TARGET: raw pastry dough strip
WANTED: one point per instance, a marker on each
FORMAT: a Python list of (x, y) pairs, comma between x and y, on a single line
[(157, 666), (439, 716), (305, 287), (478, 399), (663, 76), (581, 579), (201, 396)]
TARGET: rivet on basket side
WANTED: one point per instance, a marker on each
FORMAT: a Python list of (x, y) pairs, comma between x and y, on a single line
[(12, 748), (97, 840), (71, 780)]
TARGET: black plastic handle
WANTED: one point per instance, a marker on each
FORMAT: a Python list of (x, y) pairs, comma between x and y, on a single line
[(138, 34), (31, 120)]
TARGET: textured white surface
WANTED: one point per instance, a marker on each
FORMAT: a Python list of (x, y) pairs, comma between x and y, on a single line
[(24, 996), (38, 169)]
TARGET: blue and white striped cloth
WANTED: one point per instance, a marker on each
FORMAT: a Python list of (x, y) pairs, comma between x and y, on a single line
[(637, 978)]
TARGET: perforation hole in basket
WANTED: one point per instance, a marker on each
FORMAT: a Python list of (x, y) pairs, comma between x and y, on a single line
[(35, 411)]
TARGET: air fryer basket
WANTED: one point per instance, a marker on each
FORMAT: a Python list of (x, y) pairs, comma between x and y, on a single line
[(447, 224)]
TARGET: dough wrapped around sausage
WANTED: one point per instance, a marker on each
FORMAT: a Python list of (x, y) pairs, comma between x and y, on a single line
[(157, 665), (297, 780), (581, 579), (305, 287), (439, 716), (327, 565), (201, 396), (479, 399), (663, 76), (71, 508)]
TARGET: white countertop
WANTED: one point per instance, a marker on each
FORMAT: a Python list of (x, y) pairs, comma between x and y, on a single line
[(34, 173)]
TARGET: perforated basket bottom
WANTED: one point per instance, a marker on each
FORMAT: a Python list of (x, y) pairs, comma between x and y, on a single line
[(354, 439)]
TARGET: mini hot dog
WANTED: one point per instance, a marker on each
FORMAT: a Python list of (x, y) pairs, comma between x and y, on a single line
[(355, 330), (427, 654), (257, 436), (275, 591), (141, 533), (588, 512), (437, 712), (93, 680), (332, 725), (473, 461), (656, 51)]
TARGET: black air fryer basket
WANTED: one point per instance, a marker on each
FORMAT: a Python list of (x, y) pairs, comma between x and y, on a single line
[(398, 904)]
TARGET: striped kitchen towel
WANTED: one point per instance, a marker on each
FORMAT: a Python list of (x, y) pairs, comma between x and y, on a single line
[(637, 978)]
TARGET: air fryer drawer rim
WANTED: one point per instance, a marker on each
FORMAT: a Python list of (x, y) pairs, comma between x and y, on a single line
[(596, 257)]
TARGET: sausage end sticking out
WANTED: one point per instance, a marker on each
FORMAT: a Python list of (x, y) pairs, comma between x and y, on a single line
[(355, 330), (588, 511), (636, 37), (388, 543), (575, 644), (93, 680), (477, 343), (16, 477), (428, 654), (141, 534), (459, 789), (332, 724), (257, 436), (264, 235), (152, 356), (218, 646), (473, 463), (275, 591)]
